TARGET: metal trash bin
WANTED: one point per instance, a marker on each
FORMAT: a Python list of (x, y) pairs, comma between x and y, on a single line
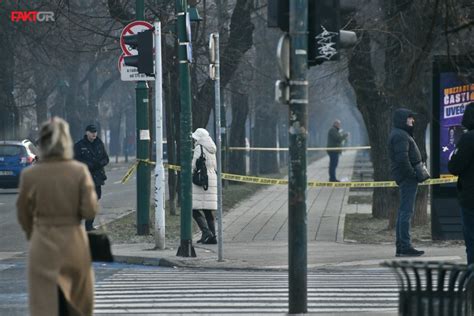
[(434, 288)]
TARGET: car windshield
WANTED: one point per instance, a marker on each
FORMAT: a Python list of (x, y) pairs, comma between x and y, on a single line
[(11, 150)]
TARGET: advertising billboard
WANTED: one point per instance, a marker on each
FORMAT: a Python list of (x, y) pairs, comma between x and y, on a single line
[(454, 94), (453, 89)]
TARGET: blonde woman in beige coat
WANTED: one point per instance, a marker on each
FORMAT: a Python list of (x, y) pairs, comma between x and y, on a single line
[(55, 195), (205, 200)]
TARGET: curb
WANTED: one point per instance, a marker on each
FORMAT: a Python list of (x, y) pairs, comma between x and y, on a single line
[(340, 228), (161, 262)]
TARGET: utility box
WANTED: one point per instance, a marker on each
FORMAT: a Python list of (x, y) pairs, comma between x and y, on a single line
[(453, 89)]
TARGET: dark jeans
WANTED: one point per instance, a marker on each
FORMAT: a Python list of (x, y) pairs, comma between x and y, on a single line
[(333, 161), (467, 215), (408, 190), (90, 222)]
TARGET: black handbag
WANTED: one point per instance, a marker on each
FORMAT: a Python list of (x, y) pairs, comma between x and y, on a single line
[(422, 173), (200, 172), (99, 246)]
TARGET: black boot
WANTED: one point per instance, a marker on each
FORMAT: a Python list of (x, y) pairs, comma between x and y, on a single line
[(202, 224), (212, 227)]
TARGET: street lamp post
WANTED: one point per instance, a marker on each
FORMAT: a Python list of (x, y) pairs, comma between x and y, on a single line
[(186, 245), (298, 127), (143, 147)]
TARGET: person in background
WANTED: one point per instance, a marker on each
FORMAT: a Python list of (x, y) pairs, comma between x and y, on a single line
[(55, 194), (205, 200), (91, 151), (335, 140), (404, 155), (461, 164)]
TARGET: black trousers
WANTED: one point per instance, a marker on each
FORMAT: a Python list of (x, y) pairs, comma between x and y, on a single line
[(63, 310), (206, 223), (90, 222)]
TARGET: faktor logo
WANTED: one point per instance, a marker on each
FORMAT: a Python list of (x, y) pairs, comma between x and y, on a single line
[(32, 16)]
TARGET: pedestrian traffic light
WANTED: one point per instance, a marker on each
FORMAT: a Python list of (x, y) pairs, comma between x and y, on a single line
[(325, 38), (279, 14), (143, 43)]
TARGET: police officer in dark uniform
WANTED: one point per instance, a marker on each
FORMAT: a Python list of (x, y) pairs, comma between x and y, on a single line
[(91, 151)]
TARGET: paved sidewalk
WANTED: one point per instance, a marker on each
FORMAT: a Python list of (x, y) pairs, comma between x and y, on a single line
[(256, 232)]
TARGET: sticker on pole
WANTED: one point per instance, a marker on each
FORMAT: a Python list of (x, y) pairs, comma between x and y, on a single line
[(132, 29), (128, 73)]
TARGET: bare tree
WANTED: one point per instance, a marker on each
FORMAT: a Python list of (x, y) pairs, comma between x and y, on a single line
[(391, 68)]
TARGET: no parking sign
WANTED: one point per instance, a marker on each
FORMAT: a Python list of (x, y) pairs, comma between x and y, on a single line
[(128, 73)]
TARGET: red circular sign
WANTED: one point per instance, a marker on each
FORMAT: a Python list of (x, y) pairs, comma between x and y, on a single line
[(131, 29)]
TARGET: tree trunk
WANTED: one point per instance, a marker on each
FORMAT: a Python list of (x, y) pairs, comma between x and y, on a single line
[(9, 119), (239, 42), (376, 113), (115, 142), (41, 110), (171, 94), (410, 81), (240, 109), (74, 105)]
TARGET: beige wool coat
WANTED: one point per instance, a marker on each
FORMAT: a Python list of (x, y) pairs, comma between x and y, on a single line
[(206, 199), (54, 196)]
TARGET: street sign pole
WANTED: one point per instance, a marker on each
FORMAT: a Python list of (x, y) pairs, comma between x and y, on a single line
[(159, 169), (215, 75), (143, 145), (186, 245), (298, 126)]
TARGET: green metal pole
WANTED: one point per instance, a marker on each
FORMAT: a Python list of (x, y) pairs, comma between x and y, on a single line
[(143, 147), (298, 122), (186, 246)]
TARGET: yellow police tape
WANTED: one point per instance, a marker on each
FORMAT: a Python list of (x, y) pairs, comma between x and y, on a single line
[(307, 149), (311, 184)]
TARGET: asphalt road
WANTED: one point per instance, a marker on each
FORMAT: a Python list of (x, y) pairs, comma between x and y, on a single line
[(12, 238), (117, 199), (14, 287)]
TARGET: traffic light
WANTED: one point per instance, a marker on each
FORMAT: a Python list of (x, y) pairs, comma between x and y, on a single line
[(279, 14), (325, 38), (143, 43)]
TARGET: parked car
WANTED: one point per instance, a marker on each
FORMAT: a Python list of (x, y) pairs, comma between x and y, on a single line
[(14, 157)]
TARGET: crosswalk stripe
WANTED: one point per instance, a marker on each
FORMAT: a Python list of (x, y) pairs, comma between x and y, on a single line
[(168, 291)]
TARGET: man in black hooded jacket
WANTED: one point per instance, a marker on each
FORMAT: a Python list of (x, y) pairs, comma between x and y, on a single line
[(462, 165), (404, 155)]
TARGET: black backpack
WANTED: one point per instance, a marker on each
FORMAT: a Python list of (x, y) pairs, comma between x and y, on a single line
[(200, 172)]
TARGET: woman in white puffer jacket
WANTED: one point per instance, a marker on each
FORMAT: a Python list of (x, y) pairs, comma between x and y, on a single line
[(205, 200)]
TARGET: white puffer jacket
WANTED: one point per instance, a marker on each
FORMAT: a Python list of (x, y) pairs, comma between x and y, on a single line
[(205, 199)]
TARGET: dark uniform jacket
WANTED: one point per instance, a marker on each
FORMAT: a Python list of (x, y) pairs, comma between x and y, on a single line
[(93, 154), (403, 151), (335, 139), (462, 161)]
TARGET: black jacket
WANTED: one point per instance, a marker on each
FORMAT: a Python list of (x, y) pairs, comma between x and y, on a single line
[(403, 151), (462, 161), (335, 138), (93, 154)]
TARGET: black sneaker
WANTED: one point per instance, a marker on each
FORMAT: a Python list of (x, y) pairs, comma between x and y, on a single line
[(410, 252)]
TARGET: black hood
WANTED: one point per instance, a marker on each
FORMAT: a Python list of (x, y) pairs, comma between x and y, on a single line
[(468, 117), (400, 119)]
